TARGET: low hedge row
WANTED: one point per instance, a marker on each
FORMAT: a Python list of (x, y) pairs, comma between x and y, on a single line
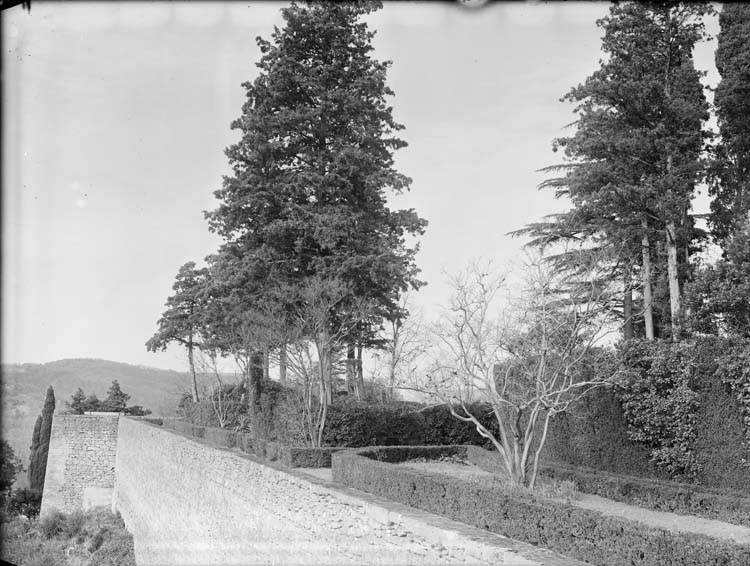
[(291, 456), (679, 498), (579, 533), (673, 497)]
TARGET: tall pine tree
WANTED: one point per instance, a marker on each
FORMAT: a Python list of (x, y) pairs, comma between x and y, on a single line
[(182, 321), (635, 157), (307, 198), (730, 180), (76, 405)]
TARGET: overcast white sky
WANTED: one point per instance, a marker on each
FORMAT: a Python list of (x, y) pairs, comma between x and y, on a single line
[(116, 116)]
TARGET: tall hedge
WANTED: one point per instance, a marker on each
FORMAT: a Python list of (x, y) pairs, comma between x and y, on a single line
[(684, 402), (593, 433)]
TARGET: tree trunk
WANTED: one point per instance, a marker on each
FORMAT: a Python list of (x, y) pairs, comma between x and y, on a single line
[(282, 365), (326, 379), (360, 379), (674, 282), (351, 363), (648, 309), (324, 363), (191, 361), (538, 452), (671, 237), (627, 308), (266, 363), (255, 389)]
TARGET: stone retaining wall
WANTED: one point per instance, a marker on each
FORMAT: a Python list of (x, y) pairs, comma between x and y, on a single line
[(81, 462), (187, 502)]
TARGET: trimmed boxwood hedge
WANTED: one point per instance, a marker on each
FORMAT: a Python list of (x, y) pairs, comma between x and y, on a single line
[(684, 499), (681, 498), (291, 456), (220, 436), (579, 533), (297, 457)]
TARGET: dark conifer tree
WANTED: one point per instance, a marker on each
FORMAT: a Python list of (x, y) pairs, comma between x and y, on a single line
[(307, 200), (635, 157), (77, 402), (730, 179), (35, 441), (116, 399), (38, 463), (307, 196), (182, 321)]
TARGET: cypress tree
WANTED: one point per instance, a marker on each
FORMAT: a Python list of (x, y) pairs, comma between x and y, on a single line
[(34, 449), (38, 464)]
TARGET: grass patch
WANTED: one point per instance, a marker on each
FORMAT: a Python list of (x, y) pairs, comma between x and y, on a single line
[(92, 538)]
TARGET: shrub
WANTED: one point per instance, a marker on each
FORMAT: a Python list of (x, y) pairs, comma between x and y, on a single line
[(98, 539), (733, 369), (244, 442), (220, 436), (183, 427), (720, 445), (74, 524), (116, 549), (271, 450), (296, 457), (352, 424), (660, 403), (44, 557), (573, 531), (80, 538), (594, 433), (686, 403), (25, 502), (52, 524)]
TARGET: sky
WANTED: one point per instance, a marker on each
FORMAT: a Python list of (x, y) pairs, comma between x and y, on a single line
[(116, 116)]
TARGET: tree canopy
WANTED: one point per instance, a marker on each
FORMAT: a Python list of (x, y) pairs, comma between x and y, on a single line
[(307, 195), (183, 320), (730, 180), (635, 156)]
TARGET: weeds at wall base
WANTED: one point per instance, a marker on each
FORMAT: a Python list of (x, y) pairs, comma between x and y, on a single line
[(92, 538)]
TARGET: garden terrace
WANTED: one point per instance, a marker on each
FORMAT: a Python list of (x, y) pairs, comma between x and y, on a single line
[(580, 533)]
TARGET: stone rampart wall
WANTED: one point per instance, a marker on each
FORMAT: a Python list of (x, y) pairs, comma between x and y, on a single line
[(188, 502), (81, 462)]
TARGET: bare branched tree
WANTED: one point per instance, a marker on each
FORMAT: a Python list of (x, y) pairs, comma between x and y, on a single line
[(524, 357), (326, 316), (304, 381), (404, 344)]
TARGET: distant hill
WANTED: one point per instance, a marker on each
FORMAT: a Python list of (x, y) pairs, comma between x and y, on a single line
[(24, 387)]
